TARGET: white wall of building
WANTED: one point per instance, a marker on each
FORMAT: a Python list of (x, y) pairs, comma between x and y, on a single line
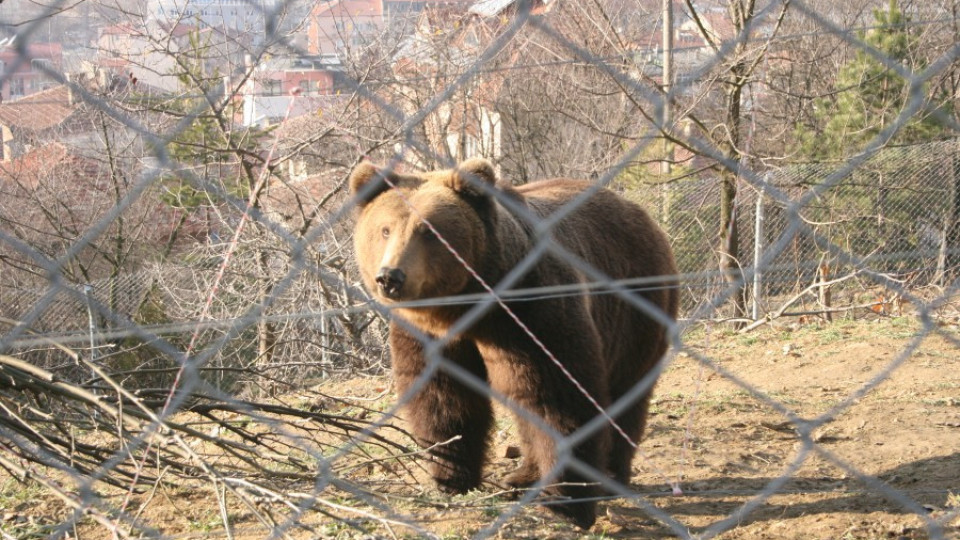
[(237, 15)]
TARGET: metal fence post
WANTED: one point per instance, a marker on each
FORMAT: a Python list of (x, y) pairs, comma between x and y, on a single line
[(757, 251), (87, 289)]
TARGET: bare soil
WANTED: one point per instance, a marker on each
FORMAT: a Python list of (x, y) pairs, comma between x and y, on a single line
[(885, 463)]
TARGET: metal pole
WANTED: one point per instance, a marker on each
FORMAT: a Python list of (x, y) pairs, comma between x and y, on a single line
[(757, 250), (667, 163), (667, 78), (87, 289), (324, 339)]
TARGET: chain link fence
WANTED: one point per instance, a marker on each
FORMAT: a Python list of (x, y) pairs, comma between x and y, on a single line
[(893, 215), (186, 349)]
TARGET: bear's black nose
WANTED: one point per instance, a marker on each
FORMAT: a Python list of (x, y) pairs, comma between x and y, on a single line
[(391, 281)]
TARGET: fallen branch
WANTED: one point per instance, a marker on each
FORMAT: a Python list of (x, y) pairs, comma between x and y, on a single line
[(782, 311)]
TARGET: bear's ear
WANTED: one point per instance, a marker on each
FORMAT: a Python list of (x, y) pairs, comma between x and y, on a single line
[(469, 175), (367, 181)]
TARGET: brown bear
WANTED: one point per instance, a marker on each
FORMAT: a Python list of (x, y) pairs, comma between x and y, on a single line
[(606, 344)]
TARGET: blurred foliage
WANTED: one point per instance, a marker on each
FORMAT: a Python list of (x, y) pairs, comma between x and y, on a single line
[(870, 94)]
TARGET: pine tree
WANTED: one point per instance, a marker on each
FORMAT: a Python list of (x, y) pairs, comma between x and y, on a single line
[(870, 95), (208, 145)]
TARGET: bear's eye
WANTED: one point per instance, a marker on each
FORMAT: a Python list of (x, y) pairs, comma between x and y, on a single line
[(385, 232)]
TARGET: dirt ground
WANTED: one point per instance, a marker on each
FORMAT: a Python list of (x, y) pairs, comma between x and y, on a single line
[(904, 433), (886, 465)]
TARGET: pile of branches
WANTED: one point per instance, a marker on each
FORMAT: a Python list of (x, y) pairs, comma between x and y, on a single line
[(72, 437)]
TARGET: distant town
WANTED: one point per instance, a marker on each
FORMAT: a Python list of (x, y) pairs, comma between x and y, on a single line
[(296, 45)]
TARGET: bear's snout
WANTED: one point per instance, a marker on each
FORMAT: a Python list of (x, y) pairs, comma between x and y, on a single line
[(391, 281)]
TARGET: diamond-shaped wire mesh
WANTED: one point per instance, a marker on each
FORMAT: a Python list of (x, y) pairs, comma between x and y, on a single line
[(186, 347)]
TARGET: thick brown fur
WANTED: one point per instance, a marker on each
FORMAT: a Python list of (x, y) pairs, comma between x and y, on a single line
[(606, 344)]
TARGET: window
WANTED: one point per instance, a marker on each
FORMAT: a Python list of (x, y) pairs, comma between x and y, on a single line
[(305, 88), (16, 87), (39, 64), (273, 88)]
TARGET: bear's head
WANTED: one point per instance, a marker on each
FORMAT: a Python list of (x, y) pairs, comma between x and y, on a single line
[(405, 220)]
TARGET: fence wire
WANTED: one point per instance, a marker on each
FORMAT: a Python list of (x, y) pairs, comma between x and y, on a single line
[(186, 348)]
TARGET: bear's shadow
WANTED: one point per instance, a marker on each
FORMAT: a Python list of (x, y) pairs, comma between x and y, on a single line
[(833, 495)]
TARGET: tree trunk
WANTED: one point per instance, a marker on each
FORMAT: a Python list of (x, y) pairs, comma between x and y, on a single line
[(729, 248), (730, 241)]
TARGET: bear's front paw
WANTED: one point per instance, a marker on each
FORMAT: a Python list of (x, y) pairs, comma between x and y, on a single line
[(453, 479), (453, 486), (581, 514), (527, 475)]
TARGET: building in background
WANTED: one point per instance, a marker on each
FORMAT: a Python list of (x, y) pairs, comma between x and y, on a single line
[(154, 55), (287, 87), (34, 121), (23, 77), (343, 24), (248, 16), (336, 26)]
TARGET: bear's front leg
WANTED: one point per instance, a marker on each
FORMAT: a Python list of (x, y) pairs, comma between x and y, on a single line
[(446, 416), (519, 368)]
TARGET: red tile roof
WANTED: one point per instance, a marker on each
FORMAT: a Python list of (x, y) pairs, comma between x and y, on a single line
[(37, 112), (36, 166), (120, 29), (34, 50)]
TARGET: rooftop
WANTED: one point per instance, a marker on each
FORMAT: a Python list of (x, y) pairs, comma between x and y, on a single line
[(38, 112)]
